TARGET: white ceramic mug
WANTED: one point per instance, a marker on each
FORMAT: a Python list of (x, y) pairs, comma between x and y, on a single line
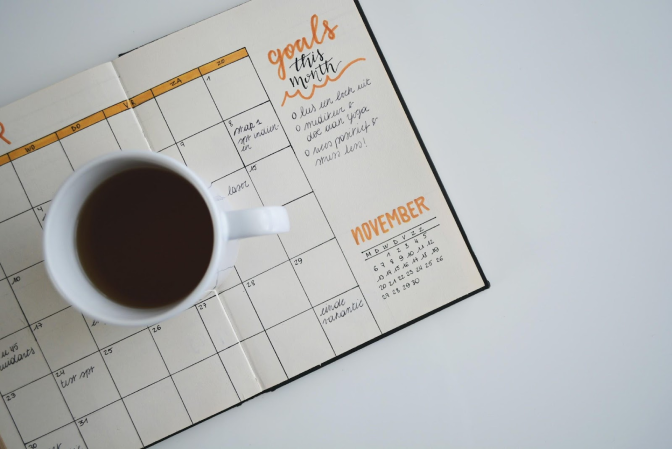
[(60, 248)]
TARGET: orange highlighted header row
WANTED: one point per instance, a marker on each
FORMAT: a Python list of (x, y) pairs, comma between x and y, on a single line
[(124, 105), (197, 72)]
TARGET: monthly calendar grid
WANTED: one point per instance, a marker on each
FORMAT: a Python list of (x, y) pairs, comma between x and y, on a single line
[(246, 282)]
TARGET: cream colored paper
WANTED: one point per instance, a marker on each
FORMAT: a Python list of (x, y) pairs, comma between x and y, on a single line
[(373, 243)]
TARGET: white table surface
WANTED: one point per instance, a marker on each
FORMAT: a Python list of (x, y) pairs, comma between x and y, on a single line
[(550, 124)]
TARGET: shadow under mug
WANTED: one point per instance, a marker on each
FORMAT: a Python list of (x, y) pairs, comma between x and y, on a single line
[(60, 246)]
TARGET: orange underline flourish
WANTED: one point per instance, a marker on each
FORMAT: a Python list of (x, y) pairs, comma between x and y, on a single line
[(319, 86)]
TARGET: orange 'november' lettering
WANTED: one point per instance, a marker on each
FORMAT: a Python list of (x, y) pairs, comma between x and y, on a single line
[(420, 202), (2, 134), (409, 206), (357, 234), (392, 216), (367, 231), (374, 226), (382, 224), (403, 213)]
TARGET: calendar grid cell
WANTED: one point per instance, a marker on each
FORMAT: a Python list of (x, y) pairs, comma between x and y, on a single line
[(26, 193), (111, 130), (13, 420), (304, 291), (66, 156)]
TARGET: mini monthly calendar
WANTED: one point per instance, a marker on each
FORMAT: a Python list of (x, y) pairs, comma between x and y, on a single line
[(271, 103)]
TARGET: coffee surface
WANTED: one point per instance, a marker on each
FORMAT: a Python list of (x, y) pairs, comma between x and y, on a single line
[(145, 237)]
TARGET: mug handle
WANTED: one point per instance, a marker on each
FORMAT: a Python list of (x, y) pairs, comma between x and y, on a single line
[(257, 221)]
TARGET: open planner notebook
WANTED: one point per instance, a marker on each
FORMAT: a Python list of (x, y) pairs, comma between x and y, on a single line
[(271, 103)]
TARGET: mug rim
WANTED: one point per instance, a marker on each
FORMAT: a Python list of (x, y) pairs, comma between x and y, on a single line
[(84, 305)]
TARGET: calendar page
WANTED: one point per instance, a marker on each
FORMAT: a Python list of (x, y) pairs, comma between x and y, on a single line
[(271, 103)]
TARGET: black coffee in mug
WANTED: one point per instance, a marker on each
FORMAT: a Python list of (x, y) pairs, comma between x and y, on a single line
[(145, 237)]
